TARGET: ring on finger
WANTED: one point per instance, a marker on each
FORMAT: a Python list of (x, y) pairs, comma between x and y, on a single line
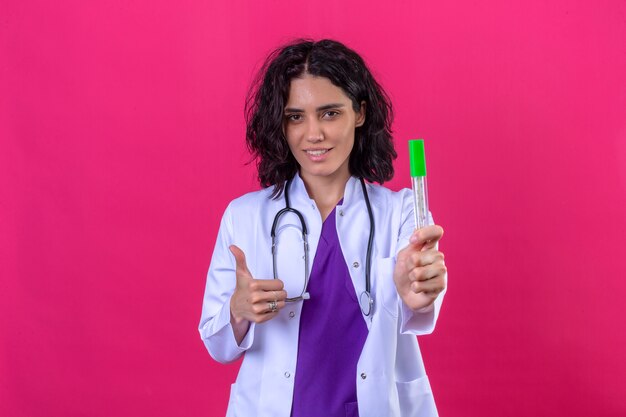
[(273, 306)]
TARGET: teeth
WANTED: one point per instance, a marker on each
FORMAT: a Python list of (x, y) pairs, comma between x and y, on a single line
[(317, 153)]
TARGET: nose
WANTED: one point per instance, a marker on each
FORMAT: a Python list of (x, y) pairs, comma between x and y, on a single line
[(314, 132)]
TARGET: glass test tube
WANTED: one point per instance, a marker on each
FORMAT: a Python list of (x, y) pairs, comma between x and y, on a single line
[(418, 182)]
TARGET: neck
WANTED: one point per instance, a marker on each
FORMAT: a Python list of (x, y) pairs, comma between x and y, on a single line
[(326, 192)]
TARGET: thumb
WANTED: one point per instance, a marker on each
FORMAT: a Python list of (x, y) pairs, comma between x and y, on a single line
[(240, 259), (426, 237)]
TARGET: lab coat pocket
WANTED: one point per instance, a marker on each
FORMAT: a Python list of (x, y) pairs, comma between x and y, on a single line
[(385, 287), (416, 398)]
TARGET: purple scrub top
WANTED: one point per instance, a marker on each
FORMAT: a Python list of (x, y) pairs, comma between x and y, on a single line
[(332, 335)]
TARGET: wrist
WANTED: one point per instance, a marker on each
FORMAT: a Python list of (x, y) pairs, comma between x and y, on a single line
[(235, 319)]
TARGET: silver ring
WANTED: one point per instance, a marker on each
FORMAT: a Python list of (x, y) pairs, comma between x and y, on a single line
[(273, 306)]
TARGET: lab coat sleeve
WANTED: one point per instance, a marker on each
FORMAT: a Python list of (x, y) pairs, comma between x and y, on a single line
[(411, 322), (215, 328)]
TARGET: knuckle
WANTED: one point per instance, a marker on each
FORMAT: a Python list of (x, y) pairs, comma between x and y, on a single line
[(263, 318), (268, 316)]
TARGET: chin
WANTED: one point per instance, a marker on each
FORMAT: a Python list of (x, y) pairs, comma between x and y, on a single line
[(320, 170), (320, 173)]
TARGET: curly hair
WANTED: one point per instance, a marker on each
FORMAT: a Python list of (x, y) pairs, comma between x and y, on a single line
[(373, 153)]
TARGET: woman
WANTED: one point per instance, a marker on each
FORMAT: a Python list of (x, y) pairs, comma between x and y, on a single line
[(337, 337)]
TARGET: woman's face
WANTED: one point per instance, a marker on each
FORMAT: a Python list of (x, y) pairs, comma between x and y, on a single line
[(319, 126)]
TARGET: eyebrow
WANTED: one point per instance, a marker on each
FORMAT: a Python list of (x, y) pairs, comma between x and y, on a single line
[(321, 108)]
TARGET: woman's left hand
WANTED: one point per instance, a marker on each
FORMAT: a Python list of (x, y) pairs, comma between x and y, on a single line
[(420, 272)]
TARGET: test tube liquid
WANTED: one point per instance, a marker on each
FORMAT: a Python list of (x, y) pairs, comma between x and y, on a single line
[(417, 158)]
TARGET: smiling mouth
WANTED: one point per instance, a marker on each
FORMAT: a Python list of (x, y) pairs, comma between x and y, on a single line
[(317, 152)]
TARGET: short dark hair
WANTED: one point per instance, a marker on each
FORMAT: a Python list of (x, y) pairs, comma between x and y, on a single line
[(373, 153)]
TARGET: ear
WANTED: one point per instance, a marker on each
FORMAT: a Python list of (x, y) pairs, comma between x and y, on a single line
[(360, 115)]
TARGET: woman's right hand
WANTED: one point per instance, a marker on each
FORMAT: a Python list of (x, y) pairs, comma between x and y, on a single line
[(253, 298)]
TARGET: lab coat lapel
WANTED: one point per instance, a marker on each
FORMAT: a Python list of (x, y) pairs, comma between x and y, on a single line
[(300, 200), (353, 228)]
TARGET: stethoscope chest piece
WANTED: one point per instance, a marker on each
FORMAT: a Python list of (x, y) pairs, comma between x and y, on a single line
[(366, 302)]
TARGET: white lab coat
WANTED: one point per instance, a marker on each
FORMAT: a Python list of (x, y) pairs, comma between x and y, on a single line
[(390, 378)]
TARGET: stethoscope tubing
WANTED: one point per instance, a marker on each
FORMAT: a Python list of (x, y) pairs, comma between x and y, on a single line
[(365, 299)]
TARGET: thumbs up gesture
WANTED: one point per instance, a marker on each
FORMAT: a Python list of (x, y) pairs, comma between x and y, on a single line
[(420, 271), (254, 300)]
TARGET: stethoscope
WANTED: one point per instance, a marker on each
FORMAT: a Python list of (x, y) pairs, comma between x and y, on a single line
[(365, 299)]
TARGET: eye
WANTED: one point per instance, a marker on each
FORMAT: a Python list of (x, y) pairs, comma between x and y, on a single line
[(331, 114), (293, 117)]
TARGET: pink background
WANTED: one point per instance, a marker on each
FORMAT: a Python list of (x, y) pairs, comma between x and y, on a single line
[(121, 128)]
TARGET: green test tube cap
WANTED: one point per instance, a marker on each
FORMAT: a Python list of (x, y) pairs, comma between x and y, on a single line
[(417, 158)]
